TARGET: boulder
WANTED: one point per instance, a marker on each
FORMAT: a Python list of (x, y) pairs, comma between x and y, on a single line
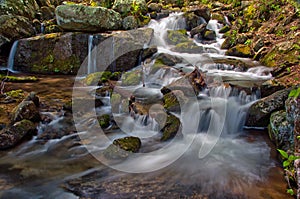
[(52, 53), (259, 113), (22, 8), (198, 30), (240, 50), (224, 29), (171, 128), (281, 131), (25, 110), (167, 59), (122, 147), (125, 6), (201, 11), (15, 27), (209, 35), (192, 20), (13, 135), (87, 18), (154, 7), (177, 36), (129, 23), (131, 78)]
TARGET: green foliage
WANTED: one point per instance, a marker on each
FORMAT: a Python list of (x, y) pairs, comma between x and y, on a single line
[(248, 42), (295, 93), (290, 191), (294, 28), (279, 33)]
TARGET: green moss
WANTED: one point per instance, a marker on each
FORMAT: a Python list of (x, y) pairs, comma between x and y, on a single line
[(131, 78), (177, 36), (104, 120), (97, 78), (18, 79), (171, 128), (131, 144), (170, 102), (15, 94)]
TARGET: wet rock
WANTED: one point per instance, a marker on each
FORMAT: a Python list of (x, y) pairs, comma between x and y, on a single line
[(259, 113), (87, 18), (219, 17), (177, 36), (174, 100), (227, 43), (34, 98), (209, 35), (281, 131), (167, 59), (121, 148), (240, 50), (188, 47), (162, 14), (171, 128), (270, 87), (198, 30), (156, 7), (129, 23), (25, 110), (125, 6), (146, 95), (15, 27), (11, 136), (149, 52)]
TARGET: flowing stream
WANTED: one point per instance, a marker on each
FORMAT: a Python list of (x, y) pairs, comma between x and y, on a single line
[(215, 157)]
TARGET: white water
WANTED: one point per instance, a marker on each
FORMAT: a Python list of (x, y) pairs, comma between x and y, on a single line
[(92, 56), (11, 58)]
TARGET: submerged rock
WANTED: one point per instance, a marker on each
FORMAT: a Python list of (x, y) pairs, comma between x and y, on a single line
[(13, 135), (259, 113), (87, 18)]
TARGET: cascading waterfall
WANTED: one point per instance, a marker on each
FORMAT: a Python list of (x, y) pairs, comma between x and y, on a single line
[(92, 55), (11, 58)]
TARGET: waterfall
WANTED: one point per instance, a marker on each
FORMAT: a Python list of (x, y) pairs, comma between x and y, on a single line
[(92, 55), (11, 58)]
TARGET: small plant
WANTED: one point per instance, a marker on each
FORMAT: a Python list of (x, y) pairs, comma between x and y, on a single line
[(248, 42), (279, 33), (294, 28), (294, 93)]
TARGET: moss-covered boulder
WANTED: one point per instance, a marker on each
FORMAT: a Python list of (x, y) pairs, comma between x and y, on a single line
[(224, 29), (188, 47), (240, 50), (104, 120), (126, 6), (15, 27), (171, 128), (26, 9), (131, 78), (122, 147), (281, 131), (87, 18), (260, 112), (167, 59), (11, 136), (154, 7), (52, 53), (97, 78), (201, 11), (174, 100), (198, 30), (177, 36), (209, 35), (192, 20)]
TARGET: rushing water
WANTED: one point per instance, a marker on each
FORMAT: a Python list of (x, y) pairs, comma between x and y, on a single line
[(215, 157), (11, 58)]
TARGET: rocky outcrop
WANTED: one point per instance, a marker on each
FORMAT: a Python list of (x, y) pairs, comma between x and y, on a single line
[(87, 18), (11, 136), (260, 112)]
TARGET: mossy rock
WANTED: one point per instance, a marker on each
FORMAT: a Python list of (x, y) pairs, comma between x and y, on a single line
[(174, 100), (240, 50), (209, 35), (192, 20), (131, 78), (24, 79), (97, 78), (17, 94), (219, 17), (188, 47), (224, 29), (121, 148), (104, 120), (171, 128), (177, 36), (167, 59)]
